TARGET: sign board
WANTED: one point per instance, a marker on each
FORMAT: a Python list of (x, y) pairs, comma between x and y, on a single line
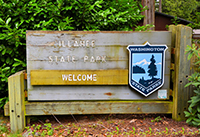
[(79, 65)]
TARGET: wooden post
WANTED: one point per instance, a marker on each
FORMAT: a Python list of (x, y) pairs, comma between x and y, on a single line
[(149, 13), (16, 101), (181, 95)]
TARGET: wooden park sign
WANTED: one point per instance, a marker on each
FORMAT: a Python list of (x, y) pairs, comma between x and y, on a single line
[(64, 65), (79, 72)]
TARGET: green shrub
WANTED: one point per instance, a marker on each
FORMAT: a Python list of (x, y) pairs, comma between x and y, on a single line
[(18, 16), (193, 113)]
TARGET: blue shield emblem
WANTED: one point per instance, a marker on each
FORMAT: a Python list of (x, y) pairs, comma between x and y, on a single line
[(146, 67)]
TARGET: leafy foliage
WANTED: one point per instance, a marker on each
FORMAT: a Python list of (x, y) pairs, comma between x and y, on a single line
[(144, 28), (18, 16), (193, 112), (196, 21), (180, 8), (157, 119), (189, 10)]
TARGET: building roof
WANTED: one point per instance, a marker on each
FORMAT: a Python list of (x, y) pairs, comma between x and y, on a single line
[(170, 16)]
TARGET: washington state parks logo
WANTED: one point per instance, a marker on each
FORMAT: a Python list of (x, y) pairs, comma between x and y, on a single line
[(146, 67)]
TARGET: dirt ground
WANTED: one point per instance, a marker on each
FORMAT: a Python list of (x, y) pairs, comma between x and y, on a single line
[(132, 125), (113, 125)]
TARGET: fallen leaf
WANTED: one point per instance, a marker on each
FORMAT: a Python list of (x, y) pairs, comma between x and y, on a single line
[(133, 120), (138, 125), (165, 122)]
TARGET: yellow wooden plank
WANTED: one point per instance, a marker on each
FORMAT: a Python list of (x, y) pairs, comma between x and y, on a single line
[(17, 104), (12, 107), (20, 106), (6, 109), (79, 77)]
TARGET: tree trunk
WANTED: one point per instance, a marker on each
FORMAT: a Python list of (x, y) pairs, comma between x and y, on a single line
[(149, 13), (160, 5)]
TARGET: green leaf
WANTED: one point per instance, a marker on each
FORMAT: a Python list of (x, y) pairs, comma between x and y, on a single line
[(3, 52), (68, 7), (198, 116), (198, 62), (190, 56), (187, 114), (198, 79), (1, 21), (196, 84), (50, 132), (196, 120), (190, 110), (6, 68), (16, 64), (189, 119), (8, 60), (8, 20), (188, 48), (15, 59), (188, 84), (195, 123), (197, 92)]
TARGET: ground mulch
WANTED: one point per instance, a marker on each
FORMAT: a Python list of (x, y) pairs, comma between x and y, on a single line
[(113, 125)]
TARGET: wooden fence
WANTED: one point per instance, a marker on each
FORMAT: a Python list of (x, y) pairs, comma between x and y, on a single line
[(19, 108)]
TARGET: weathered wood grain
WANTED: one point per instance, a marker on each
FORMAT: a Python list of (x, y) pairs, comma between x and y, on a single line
[(16, 101), (6, 109), (98, 107), (79, 77), (181, 94), (43, 47)]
